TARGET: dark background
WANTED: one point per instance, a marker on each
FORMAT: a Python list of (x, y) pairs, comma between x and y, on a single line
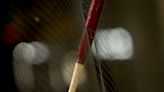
[(143, 19)]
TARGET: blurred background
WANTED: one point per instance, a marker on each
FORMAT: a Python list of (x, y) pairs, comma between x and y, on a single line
[(39, 41)]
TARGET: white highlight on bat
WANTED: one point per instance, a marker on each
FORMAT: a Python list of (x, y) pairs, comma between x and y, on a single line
[(113, 44)]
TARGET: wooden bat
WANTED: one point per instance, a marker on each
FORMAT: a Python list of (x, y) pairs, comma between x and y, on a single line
[(86, 40)]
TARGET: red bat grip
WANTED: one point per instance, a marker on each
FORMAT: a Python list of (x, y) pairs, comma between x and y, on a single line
[(91, 25), (93, 17)]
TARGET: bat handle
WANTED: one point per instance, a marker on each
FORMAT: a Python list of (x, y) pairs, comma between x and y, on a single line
[(76, 77)]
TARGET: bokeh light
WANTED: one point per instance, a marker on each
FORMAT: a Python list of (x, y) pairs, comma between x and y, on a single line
[(42, 52), (24, 52), (113, 44)]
